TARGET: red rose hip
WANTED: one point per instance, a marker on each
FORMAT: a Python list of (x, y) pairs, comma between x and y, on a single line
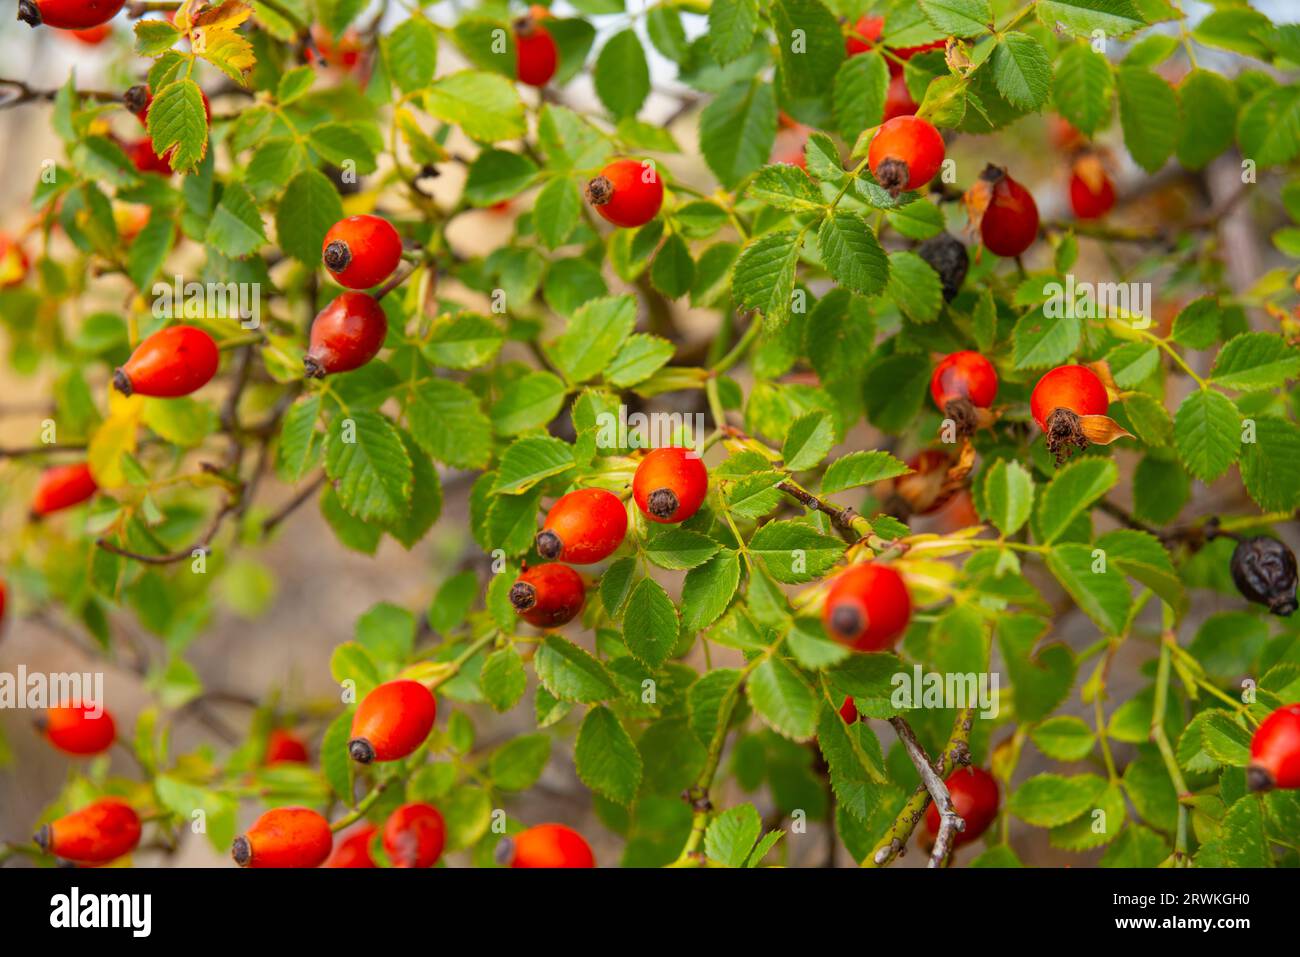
[(1275, 751), (1076, 388), (627, 193), (414, 835), (905, 153), (964, 375), (285, 837), (546, 845), (354, 849), (582, 527), (284, 747), (79, 729), (536, 55), (63, 487), (1008, 215), (392, 721), (170, 363), (974, 798), (548, 596), (868, 607), (361, 251), (670, 484), (345, 335), (68, 14), (1092, 194), (101, 831)]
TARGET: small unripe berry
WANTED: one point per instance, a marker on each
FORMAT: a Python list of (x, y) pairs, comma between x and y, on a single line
[(546, 845), (1275, 751), (1008, 221), (414, 835), (965, 376), (627, 192), (284, 747), (548, 596), (1264, 571), (63, 487), (392, 721), (905, 153), (79, 729), (974, 798), (868, 607), (670, 484), (68, 14), (361, 251), (170, 363), (101, 831), (583, 527), (284, 837), (13, 262), (345, 335), (536, 55), (354, 849)]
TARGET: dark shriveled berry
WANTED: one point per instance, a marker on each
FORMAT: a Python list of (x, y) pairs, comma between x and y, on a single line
[(1264, 571), (947, 256)]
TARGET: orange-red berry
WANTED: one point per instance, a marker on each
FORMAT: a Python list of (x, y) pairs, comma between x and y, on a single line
[(1092, 194), (345, 335), (284, 747), (582, 527), (101, 831), (361, 251), (670, 484), (546, 845), (898, 98), (170, 363), (1009, 223), (849, 710), (627, 192), (868, 607), (536, 56), (284, 837), (1076, 388), (353, 850), (905, 153), (79, 729), (548, 596), (1275, 751), (414, 835), (964, 375), (392, 721), (63, 487), (974, 798), (68, 14), (145, 159)]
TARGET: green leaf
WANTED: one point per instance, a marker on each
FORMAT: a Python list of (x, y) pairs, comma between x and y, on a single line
[(731, 835), (447, 422), (310, 206), (1254, 361), (1041, 679), (1197, 324), (853, 256), (1049, 800), (150, 248), (556, 211), (1063, 738), (1149, 114), (292, 85), (650, 624), (679, 549), (861, 468), (411, 52), (737, 130), (1082, 88), (1241, 840), (1141, 556), (783, 699), (622, 77), (861, 86), (517, 764), (529, 460), (572, 674), (1209, 127), (178, 125), (485, 105), (236, 225), (914, 286), (594, 336), (528, 402), (616, 585), (1114, 18), (512, 522), (498, 174), (1041, 342), (809, 63), (1207, 434), (351, 662), (1268, 128), (1100, 592), (793, 552), (708, 590), (1071, 492), (1008, 495), (1270, 466), (638, 358), (607, 759), (809, 439), (958, 18), (786, 187), (463, 341), (334, 761), (387, 632), (1225, 740), (732, 25), (1096, 828), (369, 466), (763, 278), (673, 270), (426, 498), (341, 143), (1022, 70), (153, 37)]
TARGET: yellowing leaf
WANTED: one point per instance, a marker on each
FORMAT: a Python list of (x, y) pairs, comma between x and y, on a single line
[(214, 36), (115, 437)]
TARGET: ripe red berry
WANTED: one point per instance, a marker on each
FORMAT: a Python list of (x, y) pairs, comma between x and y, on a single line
[(13, 262), (392, 721), (95, 834), (849, 710), (284, 837), (627, 192), (284, 747), (1092, 194), (354, 849), (548, 596), (898, 99), (974, 798), (582, 527), (864, 35), (546, 845), (1275, 751), (536, 55), (144, 158), (68, 14), (343, 54), (172, 362), (905, 153), (345, 335), (414, 835), (1008, 217), (868, 607), (79, 729), (93, 36), (63, 487), (964, 375), (1076, 388), (361, 251), (670, 484)]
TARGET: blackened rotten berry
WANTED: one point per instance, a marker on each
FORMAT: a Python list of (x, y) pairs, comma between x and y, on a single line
[(1264, 571), (947, 256)]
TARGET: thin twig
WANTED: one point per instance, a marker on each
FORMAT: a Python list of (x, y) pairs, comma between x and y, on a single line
[(949, 820)]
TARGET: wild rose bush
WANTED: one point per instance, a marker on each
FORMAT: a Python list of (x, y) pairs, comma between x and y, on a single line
[(745, 657)]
